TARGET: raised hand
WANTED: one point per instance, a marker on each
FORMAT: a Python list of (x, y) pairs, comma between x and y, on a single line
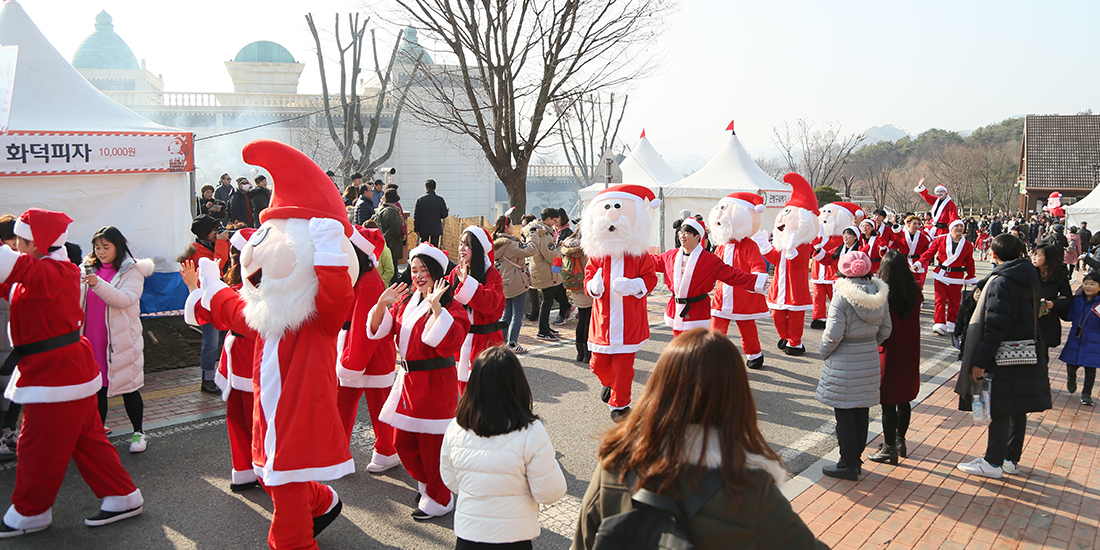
[(436, 295), (392, 294), (190, 275), (462, 270)]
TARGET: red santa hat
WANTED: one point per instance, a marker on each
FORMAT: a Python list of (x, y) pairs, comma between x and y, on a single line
[(241, 238), (486, 241), (1055, 195), (300, 189), (639, 193), (369, 240), (752, 201), (697, 226), (45, 227), (856, 211), (951, 225), (426, 250), (802, 195)]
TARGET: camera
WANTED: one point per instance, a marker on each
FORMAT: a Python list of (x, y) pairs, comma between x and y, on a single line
[(387, 170)]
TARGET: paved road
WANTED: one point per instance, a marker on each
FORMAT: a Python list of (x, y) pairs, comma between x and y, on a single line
[(183, 475)]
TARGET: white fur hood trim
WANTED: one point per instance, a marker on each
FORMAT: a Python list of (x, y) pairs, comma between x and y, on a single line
[(857, 294), (713, 456), (144, 266)]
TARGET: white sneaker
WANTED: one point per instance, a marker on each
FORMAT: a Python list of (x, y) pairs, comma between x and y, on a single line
[(939, 328), (381, 463), (137, 442), (1010, 468), (979, 467)]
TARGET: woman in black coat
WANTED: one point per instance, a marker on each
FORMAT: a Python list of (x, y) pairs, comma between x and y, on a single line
[(1054, 293), (1007, 310)]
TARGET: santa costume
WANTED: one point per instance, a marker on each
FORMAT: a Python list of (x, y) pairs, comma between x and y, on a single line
[(297, 270), (954, 268), (691, 277), (367, 368), (56, 381), (834, 218), (422, 401), (944, 211), (484, 303), (735, 226), (619, 275), (873, 245), (789, 299), (234, 377), (913, 246)]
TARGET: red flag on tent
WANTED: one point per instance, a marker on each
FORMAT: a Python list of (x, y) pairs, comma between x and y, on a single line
[(643, 134), (730, 127)]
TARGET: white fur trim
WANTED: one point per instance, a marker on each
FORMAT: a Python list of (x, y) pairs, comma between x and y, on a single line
[(433, 508), (616, 348), (712, 458), (740, 316), (694, 224), (50, 394), (466, 290), (359, 241), (279, 305), (681, 324), (953, 224), (761, 286), (425, 249), (24, 230), (655, 204), (384, 460), (857, 297), (464, 359), (744, 203), (16, 520), (238, 241), (418, 425), (940, 188), (681, 282), (935, 274), (384, 329), (209, 292), (919, 188), (323, 473), (122, 503), (357, 379), (437, 328), (238, 477), (189, 306), (481, 236), (335, 500), (8, 257)]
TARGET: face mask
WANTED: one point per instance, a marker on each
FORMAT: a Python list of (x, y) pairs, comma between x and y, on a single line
[(246, 186)]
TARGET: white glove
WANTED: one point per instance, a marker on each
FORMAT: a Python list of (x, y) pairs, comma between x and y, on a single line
[(628, 287), (209, 274), (916, 267), (327, 234), (761, 240), (595, 284), (791, 253), (920, 188)]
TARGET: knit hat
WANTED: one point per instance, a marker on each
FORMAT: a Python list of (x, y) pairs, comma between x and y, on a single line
[(369, 240), (854, 264), (241, 238), (641, 194), (802, 195), (45, 227), (301, 189), (203, 225), (752, 201), (426, 250)]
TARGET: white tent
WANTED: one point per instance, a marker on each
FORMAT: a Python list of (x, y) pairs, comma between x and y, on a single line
[(644, 166), (68, 147), (1087, 209)]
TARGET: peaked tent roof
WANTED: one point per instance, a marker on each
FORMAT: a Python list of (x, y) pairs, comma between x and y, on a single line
[(731, 169), (50, 95), (644, 166), (1086, 209)]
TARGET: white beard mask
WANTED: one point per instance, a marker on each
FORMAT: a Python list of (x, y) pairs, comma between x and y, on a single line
[(798, 230), (283, 304), (731, 223), (627, 239)]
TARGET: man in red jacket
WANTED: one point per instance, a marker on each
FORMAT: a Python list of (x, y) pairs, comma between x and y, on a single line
[(944, 210), (619, 276)]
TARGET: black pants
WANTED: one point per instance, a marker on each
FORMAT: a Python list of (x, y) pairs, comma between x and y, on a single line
[(462, 544), (533, 302), (1006, 439), (1090, 378), (895, 422), (11, 416), (135, 407), (431, 239), (548, 297), (584, 315), (851, 433)]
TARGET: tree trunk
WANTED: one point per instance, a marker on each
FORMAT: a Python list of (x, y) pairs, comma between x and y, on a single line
[(515, 182)]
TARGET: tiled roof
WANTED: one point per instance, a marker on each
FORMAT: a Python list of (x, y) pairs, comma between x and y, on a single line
[(1060, 151)]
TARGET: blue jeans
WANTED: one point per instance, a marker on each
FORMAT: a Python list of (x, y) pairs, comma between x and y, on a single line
[(513, 317), (208, 356)]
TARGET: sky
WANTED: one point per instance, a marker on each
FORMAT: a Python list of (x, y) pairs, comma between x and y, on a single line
[(916, 65)]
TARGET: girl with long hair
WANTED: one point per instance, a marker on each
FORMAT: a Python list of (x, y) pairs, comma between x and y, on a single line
[(1054, 292), (479, 288), (696, 414), (111, 298)]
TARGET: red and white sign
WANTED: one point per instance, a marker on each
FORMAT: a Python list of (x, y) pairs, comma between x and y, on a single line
[(69, 153)]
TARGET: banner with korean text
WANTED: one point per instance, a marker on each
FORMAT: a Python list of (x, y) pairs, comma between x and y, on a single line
[(70, 153)]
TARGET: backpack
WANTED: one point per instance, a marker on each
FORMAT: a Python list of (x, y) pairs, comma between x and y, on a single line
[(572, 273), (656, 522)]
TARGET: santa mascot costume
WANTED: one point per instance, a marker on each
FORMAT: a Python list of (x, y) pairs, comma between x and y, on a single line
[(944, 210), (1054, 205), (56, 381), (789, 299), (298, 270), (954, 257), (834, 218), (367, 367), (735, 229), (480, 289), (619, 276)]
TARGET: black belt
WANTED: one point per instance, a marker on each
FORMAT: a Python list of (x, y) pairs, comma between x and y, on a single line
[(41, 346), (428, 364), (688, 301), (876, 260), (237, 334), (912, 256), (952, 269), (487, 328), (941, 226), (347, 325)]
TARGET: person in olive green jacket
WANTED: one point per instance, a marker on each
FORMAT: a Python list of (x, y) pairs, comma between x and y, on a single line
[(669, 437)]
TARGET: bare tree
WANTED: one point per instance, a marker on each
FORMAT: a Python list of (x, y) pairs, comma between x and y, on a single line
[(588, 127), (772, 166), (354, 145), (515, 60), (818, 153), (876, 166)]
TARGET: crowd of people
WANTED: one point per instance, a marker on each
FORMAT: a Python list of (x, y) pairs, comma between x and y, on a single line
[(299, 300)]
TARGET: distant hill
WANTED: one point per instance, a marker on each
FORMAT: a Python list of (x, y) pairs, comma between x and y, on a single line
[(886, 132)]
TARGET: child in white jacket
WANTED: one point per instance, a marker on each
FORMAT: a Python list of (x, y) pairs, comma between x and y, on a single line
[(497, 457)]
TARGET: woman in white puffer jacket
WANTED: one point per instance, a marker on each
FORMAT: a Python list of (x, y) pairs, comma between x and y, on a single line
[(497, 457)]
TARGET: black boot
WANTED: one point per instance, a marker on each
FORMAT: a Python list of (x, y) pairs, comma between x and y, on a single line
[(900, 446), (886, 453), (756, 364), (605, 394), (1071, 379), (842, 472), (782, 343), (817, 324)]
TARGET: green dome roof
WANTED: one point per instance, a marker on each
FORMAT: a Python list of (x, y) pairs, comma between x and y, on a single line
[(264, 52), (411, 50), (104, 49)]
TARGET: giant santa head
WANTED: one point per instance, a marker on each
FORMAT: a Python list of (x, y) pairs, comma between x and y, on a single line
[(617, 223), (280, 285), (735, 217), (797, 224), (835, 217)]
